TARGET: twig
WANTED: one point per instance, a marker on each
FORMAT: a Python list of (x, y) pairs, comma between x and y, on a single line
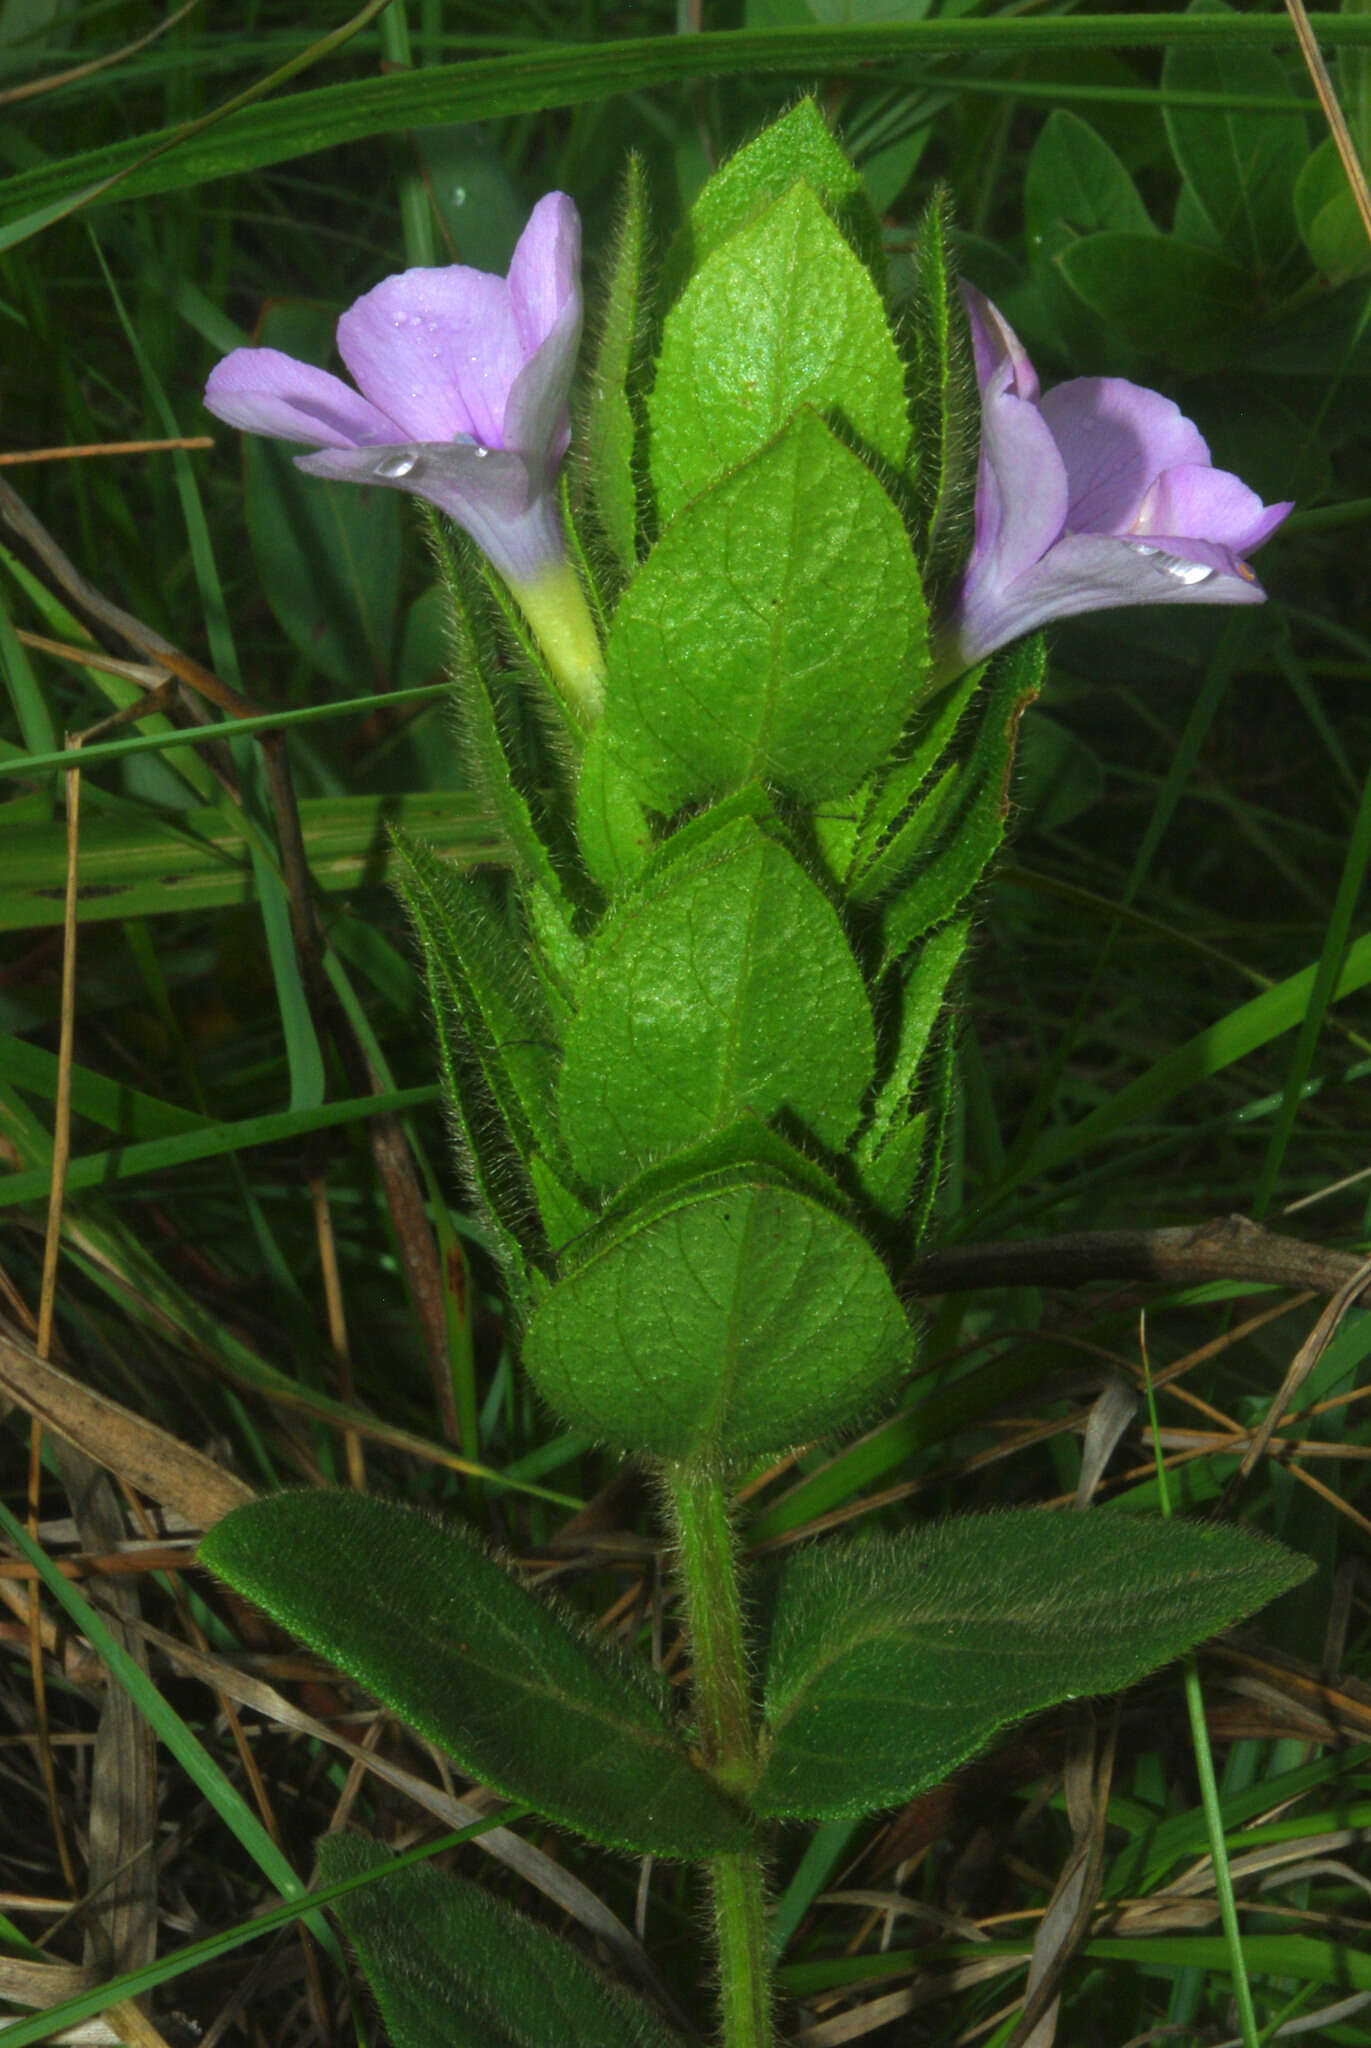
[(1226, 1248)]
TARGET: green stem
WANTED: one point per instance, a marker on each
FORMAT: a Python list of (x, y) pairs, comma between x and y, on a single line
[(708, 1568)]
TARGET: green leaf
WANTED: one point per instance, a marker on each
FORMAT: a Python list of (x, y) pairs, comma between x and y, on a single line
[(480, 975), (974, 808), (300, 124), (776, 633), (496, 1044), (1056, 776), (891, 1148), (481, 211), (611, 419), (729, 987), (796, 148), (614, 834), (454, 1967), (1329, 223), (1241, 166), (895, 1658), (876, 860), (726, 1322), (781, 315), (510, 775), (415, 1611), (946, 405), (328, 558), (1077, 186), (1183, 305)]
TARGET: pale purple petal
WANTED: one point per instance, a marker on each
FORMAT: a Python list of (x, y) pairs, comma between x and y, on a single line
[(490, 494), (1020, 492), (1097, 572), (1212, 504), (1100, 494), (537, 416), (438, 350), (1001, 358), (545, 270), (266, 392), (1114, 438), (463, 384)]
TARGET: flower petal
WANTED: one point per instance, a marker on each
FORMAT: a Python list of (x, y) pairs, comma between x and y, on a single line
[(266, 392), (436, 349), (1114, 438), (545, 270), (537, 420), (490, 494), (1020, 493), (1097, 572), (1001, 358), (1211, 504)]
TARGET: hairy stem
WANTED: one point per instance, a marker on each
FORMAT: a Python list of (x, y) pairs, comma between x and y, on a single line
[(708, 1569)]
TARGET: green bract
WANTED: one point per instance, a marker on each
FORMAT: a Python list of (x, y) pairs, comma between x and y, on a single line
[(776, 631), (729, 1321)]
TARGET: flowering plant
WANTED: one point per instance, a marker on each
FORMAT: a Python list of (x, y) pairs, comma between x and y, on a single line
[(463, 382), (698, 1060), (1098, 493)]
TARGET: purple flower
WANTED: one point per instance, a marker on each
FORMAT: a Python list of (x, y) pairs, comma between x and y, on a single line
[(1098, 494), (462, 384)]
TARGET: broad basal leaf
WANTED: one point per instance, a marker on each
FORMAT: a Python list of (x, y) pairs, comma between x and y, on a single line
[(776, 633), (894, 1659), (453, 1967), (497, 1677), (781, 315), (727, 988)]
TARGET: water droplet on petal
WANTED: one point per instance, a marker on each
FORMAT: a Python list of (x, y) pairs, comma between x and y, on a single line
[(481, 452), (400, 462), (1188, 574)]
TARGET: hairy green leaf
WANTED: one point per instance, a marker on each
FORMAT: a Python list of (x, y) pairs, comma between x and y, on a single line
[(890, 1151), (781, 315), (895, 1658), (505, 1683), (776, 633), (611, 409), (729, 987), (970, 809), (797, 147), (453, 1967), (726, 1321), (946, 406)]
